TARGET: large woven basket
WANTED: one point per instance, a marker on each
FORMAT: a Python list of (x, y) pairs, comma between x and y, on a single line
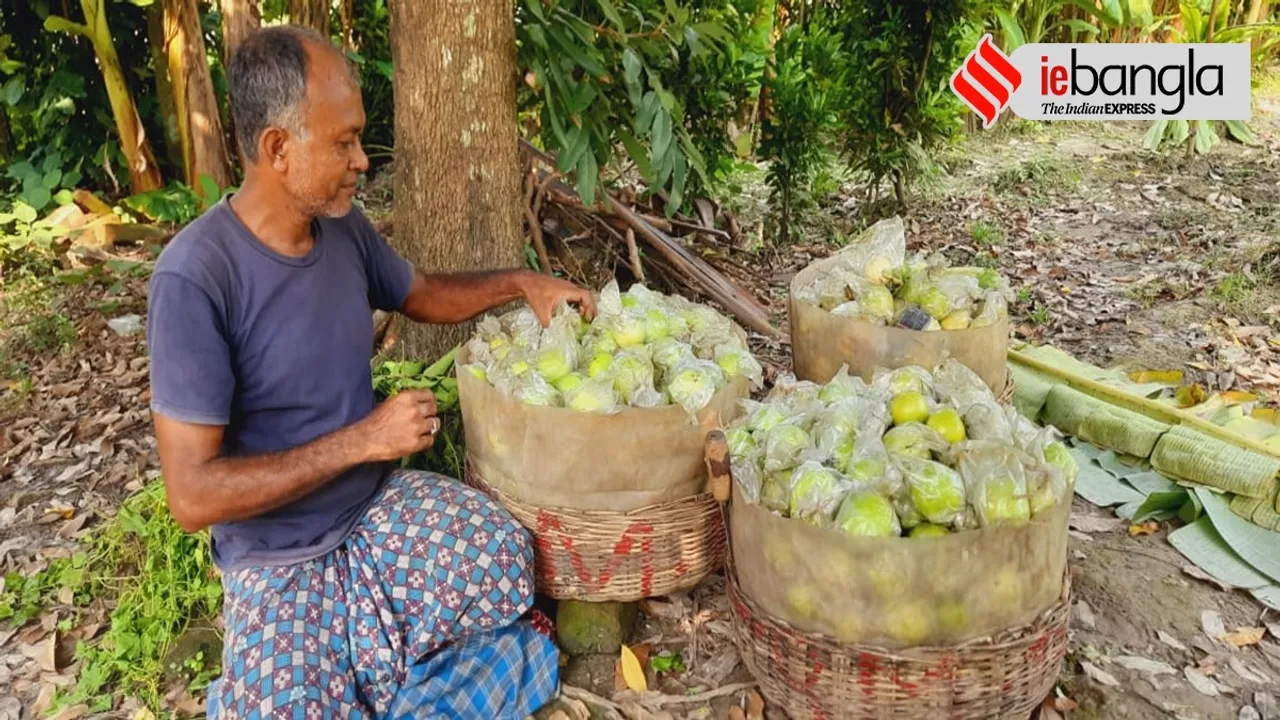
[(600, 555), (812, 676)]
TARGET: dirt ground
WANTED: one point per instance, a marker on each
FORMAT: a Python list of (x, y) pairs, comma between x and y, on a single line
[(1118, 255)]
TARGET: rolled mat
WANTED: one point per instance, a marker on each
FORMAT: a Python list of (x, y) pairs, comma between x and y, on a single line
[(1190, 455)]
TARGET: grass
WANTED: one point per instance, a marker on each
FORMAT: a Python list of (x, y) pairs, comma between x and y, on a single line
[(158, 579), (1039, 177), (1039, 316), (986, 233)]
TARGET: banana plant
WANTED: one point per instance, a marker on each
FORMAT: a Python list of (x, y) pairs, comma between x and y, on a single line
[(1202, 21), (1032, 21)]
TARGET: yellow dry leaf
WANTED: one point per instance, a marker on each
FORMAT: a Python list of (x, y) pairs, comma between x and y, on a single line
[(632, 672), (1189, 395), (1146, 528), (144, 714), (1244, 636), (1266, 414), (1238, 396), (1171, 377)]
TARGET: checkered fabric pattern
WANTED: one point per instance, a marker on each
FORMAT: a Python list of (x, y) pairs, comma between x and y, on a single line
[(416, 615)]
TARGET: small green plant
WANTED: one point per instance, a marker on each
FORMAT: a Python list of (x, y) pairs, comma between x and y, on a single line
[(177, 203), (985, 259), (1023, 295), (1039, 316), (1037, 176), (1233, 288), (44, 181), (986, 233)]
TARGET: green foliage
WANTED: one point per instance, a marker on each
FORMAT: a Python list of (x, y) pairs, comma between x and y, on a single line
[(899, 106), (986, 233), (392, 376), (803, 92), (42, 181), (602, 73), (177, 203), (160, 580)]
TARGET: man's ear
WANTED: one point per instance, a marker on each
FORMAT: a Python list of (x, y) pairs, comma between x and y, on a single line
[(273, 148)]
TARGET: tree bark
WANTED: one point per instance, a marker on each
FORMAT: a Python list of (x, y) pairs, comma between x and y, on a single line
[(144, 174), (204, 146), (239, 19), (164, 88), (6, 138), (457, 188), (313, 13), (346, 17)]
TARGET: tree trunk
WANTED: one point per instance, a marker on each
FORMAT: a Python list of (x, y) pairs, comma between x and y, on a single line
[(6, 138), (144, 174), (346, 16), (457, 189), (204, 147), (239, 19), (164, 88), (313, 13)]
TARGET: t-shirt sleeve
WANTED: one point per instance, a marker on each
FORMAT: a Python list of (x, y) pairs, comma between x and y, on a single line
[(390, 275), (192, 378)]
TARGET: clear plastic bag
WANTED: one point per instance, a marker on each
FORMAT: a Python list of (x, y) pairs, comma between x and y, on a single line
[(783, 446), (986, 420), (736, 361), (761, 417), (693, 383), (961, 291), (788, 390), (775, 491), (937, 491), (534, 390), (632, 372), (911, 378), (914, 440), (994, 482), (609, 303), (741, 441), (594, 396), (957, 385), (816, 492), (841, 386), (556, 356), (837, 424), (869, 463), (867, 513), (670, 352), (993, 308), (745, 469)]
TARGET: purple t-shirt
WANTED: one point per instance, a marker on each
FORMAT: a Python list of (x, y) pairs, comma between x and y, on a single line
[(277, 349)]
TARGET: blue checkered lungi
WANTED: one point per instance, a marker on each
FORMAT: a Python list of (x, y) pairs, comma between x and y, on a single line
[(416, 615)]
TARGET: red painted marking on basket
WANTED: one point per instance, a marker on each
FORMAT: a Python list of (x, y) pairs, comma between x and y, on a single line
[(815, 669), (868, 672), (642, 531)]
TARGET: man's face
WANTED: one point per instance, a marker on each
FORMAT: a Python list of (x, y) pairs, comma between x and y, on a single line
[(326, 160)]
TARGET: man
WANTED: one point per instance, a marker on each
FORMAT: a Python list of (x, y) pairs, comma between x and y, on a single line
[(350, 590)]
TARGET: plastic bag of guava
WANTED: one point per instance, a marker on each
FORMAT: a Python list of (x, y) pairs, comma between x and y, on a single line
[(816, 492), (533, 389), (994, 481), (745, 468), (693, 383), (877, 250), (736, 361), (595, 395), (632, 372), (937, 491), (896, 381), (783, 445), (957, 385), (788, 390), (867, 513), (670, 352), (986, 420), (775, 491), (761, 417), (836, 426), (914, 439), (557, 353), (842, 386), (993, 308)]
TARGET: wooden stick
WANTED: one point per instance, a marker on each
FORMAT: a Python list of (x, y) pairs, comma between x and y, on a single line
[(535, 225), (590, 698), (636, 268), (716, 458), (698, 698)]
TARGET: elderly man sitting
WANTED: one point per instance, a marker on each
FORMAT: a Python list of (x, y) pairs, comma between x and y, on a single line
[(351, 589)]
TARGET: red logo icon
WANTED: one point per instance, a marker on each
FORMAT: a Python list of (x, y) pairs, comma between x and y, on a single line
[(998, 77)]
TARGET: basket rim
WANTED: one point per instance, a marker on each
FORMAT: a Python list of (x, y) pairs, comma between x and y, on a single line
[(678, 506), (1007, 638)]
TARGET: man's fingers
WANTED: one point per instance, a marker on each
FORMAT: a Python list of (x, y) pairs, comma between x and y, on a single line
[(587, 302)]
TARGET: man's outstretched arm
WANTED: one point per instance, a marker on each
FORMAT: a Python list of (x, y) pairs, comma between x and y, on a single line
[(446, 299), (205, 488)]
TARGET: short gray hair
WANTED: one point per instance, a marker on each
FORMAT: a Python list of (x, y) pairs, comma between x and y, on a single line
[(267, 81)]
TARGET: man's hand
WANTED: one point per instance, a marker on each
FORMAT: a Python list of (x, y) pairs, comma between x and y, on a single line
[(401, 426), (544, 293)]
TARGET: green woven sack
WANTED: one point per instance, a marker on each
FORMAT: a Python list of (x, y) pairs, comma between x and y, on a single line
[(1194, 456), (1101, 423)]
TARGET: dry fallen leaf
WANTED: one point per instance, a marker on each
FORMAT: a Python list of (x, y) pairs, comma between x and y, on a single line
[(1189, 395), (1143, 665), (1099, 675), (1149, 527), (1170, 640), (1064, 704), (1201, 682), (44, 652), (1095, 524), (1244, 636), (1084, 614), (1273, 628), (1169, 377), (1246, 673), (74, 712), (146, 714), (735, 713), (755, 706), (44, 700), (1211, 622), (632, 671), (1195, 572)]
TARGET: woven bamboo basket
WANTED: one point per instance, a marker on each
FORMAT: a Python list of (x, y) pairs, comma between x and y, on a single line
[(814, 677), (602, 555)]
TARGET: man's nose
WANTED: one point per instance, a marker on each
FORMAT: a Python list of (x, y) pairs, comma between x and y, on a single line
[(361, 160)]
